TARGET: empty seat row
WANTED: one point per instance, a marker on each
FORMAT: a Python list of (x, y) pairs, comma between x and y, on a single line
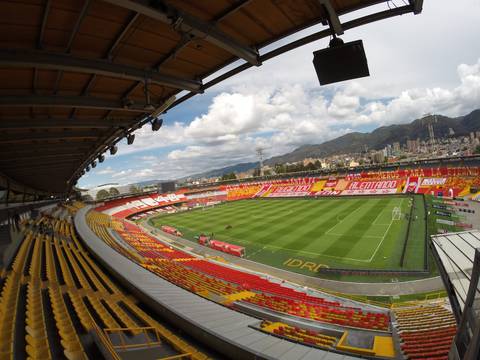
[(203, 277), (426, 331), (54, 293)]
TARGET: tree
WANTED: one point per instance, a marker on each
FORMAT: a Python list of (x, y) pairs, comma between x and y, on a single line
[(280, 169), (133, 189), (229, 176), (102, 194), (310, 167), (114, 191), (87, 197)]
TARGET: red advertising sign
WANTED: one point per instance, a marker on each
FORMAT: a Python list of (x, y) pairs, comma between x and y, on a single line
[(372, 187), (291, 190)]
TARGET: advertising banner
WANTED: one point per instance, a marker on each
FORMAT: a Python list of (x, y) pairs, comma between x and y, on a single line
[(433, 182), (290, 190), (412, 185), (443, 213), (445, 222), (328, 193), (372, 187)]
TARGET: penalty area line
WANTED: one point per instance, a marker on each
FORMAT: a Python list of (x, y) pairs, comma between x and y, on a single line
[(383, 237)]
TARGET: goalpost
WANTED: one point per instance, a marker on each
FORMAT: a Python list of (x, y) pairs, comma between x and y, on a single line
[(396, 213)]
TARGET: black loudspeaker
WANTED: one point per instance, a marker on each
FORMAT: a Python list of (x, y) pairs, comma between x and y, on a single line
[(340, 62)]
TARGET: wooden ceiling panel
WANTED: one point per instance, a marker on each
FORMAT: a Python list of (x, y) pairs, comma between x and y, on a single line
[(163, 30), (137, 56), (109, 13), (7, 112), (59, 112), (224, 31), (104, 84), (45, 79), (15, 78), (73, 82), (21, 14), (202, 10), (97, 113)]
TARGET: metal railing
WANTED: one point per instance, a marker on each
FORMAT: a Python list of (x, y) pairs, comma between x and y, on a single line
[(121, 332)]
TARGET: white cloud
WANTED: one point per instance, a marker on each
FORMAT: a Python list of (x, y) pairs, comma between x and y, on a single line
[(289, 116), (280, 105), (108, 170)]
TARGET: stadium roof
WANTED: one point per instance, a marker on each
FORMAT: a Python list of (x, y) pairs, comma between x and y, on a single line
[(456, 252), (78, 76)]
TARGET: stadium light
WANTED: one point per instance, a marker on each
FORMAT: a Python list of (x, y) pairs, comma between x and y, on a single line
[(87, 169), (101, 158), (113, 149), (94, 164), (130, 139), (157, 124)]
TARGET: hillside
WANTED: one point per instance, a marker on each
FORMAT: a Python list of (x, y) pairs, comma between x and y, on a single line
[(238, 168), (356, 141), (379, 138)]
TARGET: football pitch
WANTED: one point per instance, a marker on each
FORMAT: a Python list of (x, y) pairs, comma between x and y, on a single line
[(304, 235)]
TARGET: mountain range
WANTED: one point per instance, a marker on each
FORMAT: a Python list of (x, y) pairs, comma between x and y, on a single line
[(356, 141)]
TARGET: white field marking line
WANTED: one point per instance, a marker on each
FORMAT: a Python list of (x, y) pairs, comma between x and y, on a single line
[(384, 234), (363, 236), (331, 256), (256, 252), (314, 253), (341, 221)]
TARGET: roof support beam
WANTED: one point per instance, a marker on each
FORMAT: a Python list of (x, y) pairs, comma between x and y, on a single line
[(27, 124), (48, 136), (70, 101), (417, 6), (334, 21), (38, 59), (22, 157), (186, 23), (78, 23), (173, 53), (29, 162), (120, 35), (9, 150), (367, 19), (187, 38), (46, 11), (230, 10), (44, 168)]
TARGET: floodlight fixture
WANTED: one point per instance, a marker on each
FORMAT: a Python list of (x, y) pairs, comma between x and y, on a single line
[(130, 139), (157, 124), (113, 149), (340, 61), (101, 158)]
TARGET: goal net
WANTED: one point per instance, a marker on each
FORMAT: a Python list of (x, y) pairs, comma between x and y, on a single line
[(396, 213)]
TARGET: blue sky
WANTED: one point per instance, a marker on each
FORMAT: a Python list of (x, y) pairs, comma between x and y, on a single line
[(418, 65)]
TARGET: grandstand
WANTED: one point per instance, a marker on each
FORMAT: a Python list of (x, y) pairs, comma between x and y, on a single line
[(57, 302), (93, 281), (282, 308)]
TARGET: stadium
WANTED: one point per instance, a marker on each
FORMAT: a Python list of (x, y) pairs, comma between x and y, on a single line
[(379, 261)]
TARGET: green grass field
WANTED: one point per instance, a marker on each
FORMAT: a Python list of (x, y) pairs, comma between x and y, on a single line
[(304, 235)]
